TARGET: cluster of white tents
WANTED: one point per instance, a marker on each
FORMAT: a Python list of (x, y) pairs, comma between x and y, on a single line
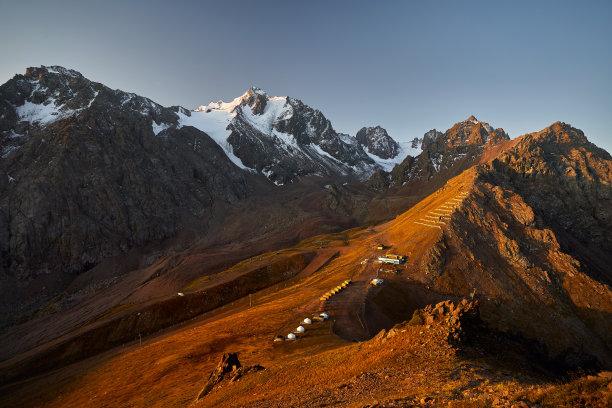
[(300, 330)]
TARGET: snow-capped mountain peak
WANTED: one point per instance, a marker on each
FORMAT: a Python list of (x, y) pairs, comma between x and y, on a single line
[(277, 136), (250, 97)]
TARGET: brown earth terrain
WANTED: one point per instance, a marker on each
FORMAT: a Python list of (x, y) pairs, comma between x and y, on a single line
[(544, 305)]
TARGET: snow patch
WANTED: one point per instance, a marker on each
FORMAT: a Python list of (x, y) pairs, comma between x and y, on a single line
[(7, 150), (275, 108), (56, 69), (324, 154), (14, 135), (44, 113), (268, 174), (157, 128), (214, 123), (405, 150), (436, 163), (93, 99), (215, 117)]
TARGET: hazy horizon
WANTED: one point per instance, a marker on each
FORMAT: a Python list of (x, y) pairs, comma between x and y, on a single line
[(408, 67)]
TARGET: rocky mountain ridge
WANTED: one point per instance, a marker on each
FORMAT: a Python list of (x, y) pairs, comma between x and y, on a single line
[(284, 139), (525, 231), (533, 238), (377, 141), (87, 174), (449, 153), (533, 235)]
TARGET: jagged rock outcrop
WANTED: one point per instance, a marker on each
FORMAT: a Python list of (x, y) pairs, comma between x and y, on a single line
[(566, 181), (453, 316), (377, 141), (532, 239), (283, 138), (427, 139), (454, 150), (88, 172), (229, 368)]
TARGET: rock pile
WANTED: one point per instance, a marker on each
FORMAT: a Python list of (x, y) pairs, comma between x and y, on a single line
[(229, 367), (455, 316)]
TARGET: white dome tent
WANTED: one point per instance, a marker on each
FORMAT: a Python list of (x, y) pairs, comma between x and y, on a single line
[(307, 321), (300, 329), (291, 336), (325, 316)]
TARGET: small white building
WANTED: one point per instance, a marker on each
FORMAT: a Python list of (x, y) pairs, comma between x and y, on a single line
[(307, 321), (291, 336), (300, 329)]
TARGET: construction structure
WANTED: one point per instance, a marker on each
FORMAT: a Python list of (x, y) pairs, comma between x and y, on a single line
[(439, 216), (392, 259)]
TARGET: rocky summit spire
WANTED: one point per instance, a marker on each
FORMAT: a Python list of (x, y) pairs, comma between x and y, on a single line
[(377, 141)]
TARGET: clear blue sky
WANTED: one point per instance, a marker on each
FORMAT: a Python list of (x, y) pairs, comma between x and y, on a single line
[(407, 65)]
